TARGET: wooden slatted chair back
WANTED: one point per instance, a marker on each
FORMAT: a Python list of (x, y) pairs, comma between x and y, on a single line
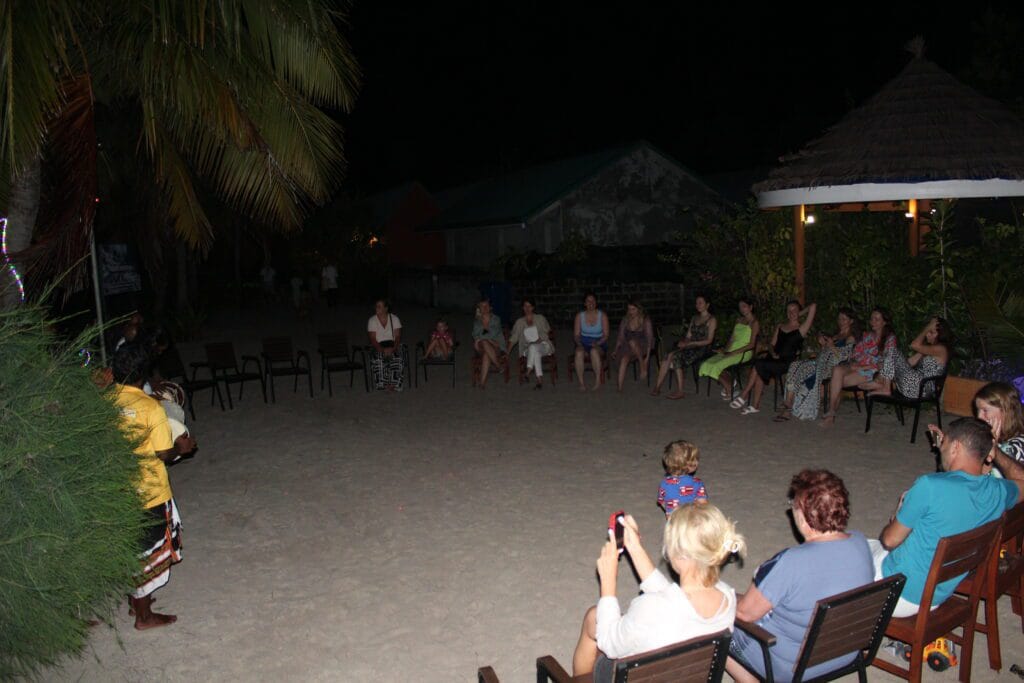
[(278, 349), (334, 344), (221, 356), (701, 659), (853, 621), (958, 555)]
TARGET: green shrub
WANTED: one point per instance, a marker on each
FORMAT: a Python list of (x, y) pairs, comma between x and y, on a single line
[(70, 518)]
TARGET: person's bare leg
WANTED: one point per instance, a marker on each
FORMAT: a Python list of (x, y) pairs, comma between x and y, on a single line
[(725, 379), (751, 379), (595, 362), (579, 367), (758, 384), (680, 376), (146, 618), (880, 386), (585, 655), (623, 366), (637, 352), (738, 673), (662, 374)]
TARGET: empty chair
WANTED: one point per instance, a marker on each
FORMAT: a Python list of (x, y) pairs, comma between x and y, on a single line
[(223, 366), (1005, 577), (279, 359), (337, 356), (172, 368)]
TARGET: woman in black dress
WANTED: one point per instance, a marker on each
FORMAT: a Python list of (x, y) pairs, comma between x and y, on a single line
[(787, 342)]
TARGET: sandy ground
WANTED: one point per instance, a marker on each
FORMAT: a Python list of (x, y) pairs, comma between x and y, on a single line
[(418, 536)]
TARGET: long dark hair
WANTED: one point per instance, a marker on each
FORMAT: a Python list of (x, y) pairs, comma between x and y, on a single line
[(856, 327), (887, 330)]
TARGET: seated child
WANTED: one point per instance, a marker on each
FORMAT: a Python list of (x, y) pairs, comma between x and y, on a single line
[(441, 342), (680, 486)]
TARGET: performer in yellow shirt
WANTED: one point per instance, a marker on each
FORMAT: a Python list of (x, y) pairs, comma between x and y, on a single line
[(143, 417)]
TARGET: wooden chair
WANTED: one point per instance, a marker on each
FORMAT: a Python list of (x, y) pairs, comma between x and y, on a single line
[(476, 363), (699, 659), (223, 366), (937, 382), (337, 356), (1005, 577), (954, 556), (549, 363), (421, 360), (280, 360), (848, 623), (171, 368), (485, 674)]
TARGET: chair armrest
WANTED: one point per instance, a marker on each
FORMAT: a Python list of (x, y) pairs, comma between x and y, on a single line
[(485, 674), (756, 632), (764, 639), (199, 364), (548, 666)]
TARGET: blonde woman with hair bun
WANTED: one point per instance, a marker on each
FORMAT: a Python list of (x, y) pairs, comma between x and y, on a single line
[(698, 540)]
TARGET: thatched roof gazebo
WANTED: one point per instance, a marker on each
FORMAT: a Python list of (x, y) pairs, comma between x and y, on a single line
[(924, 136)]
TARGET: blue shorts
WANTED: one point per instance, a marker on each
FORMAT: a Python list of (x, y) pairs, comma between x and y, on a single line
[(589, 342)]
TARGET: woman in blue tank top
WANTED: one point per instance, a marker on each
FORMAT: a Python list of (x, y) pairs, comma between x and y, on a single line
[(591, 334)]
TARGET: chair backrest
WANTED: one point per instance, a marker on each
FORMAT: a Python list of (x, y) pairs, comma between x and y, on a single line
[(958, 555), (221, 356), (1012, 540), (334, 344), (699, 659), (170, 364), (853, 621), (278, 349)]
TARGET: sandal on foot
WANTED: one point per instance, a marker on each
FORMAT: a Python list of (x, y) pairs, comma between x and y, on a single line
[(750, 410), (781, 418), (738, 402)]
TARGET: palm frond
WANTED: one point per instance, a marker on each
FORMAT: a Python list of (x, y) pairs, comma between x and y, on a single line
[(34, 40), (183, 206), (1000, 315)]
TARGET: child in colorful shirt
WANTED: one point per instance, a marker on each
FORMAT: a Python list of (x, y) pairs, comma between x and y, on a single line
[(441, 342), (680, 487)]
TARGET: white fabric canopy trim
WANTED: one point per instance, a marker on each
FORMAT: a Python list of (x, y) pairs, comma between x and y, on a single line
[(894, 192)]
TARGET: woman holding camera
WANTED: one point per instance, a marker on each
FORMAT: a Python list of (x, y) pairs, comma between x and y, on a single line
[(698, 539)]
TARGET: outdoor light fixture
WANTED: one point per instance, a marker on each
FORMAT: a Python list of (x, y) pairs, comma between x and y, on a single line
[(909, 214), (809, 220), (7, 260)]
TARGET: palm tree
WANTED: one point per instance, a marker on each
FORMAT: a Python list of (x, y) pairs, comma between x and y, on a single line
[(216, 99)]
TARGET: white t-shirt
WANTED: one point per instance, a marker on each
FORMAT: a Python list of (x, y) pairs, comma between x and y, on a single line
[(329, 277), (662, 615), (384, 332)]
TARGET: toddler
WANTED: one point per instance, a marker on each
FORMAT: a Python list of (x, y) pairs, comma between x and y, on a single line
[(680, 487), (441, 342)]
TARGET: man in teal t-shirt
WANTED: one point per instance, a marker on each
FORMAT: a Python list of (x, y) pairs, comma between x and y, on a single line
[(958, 499)]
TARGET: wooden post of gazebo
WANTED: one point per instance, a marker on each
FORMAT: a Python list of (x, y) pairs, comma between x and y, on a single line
[(799, 221), (915, 227)]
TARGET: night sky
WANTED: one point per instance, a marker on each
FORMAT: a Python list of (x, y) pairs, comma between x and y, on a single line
[(455, 92)]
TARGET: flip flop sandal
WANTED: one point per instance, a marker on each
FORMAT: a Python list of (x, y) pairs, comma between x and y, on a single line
[(738, 402), (749, 410), (780, 418)]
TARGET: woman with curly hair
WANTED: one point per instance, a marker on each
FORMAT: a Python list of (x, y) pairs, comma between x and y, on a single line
[(781, 599)]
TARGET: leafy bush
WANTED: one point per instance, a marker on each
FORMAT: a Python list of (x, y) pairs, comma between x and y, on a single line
[(70, 518)]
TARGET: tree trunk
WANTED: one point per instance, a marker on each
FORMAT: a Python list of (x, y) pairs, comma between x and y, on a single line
[(21, 220)]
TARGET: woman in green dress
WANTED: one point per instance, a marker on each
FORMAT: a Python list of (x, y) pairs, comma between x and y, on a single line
[(739, 349)]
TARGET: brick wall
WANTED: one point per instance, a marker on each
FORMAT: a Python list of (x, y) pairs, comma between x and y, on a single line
[(561, 300)]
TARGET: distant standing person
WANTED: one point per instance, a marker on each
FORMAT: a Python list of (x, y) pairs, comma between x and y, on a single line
[(329, 283), (386, 359), (268, 276)]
